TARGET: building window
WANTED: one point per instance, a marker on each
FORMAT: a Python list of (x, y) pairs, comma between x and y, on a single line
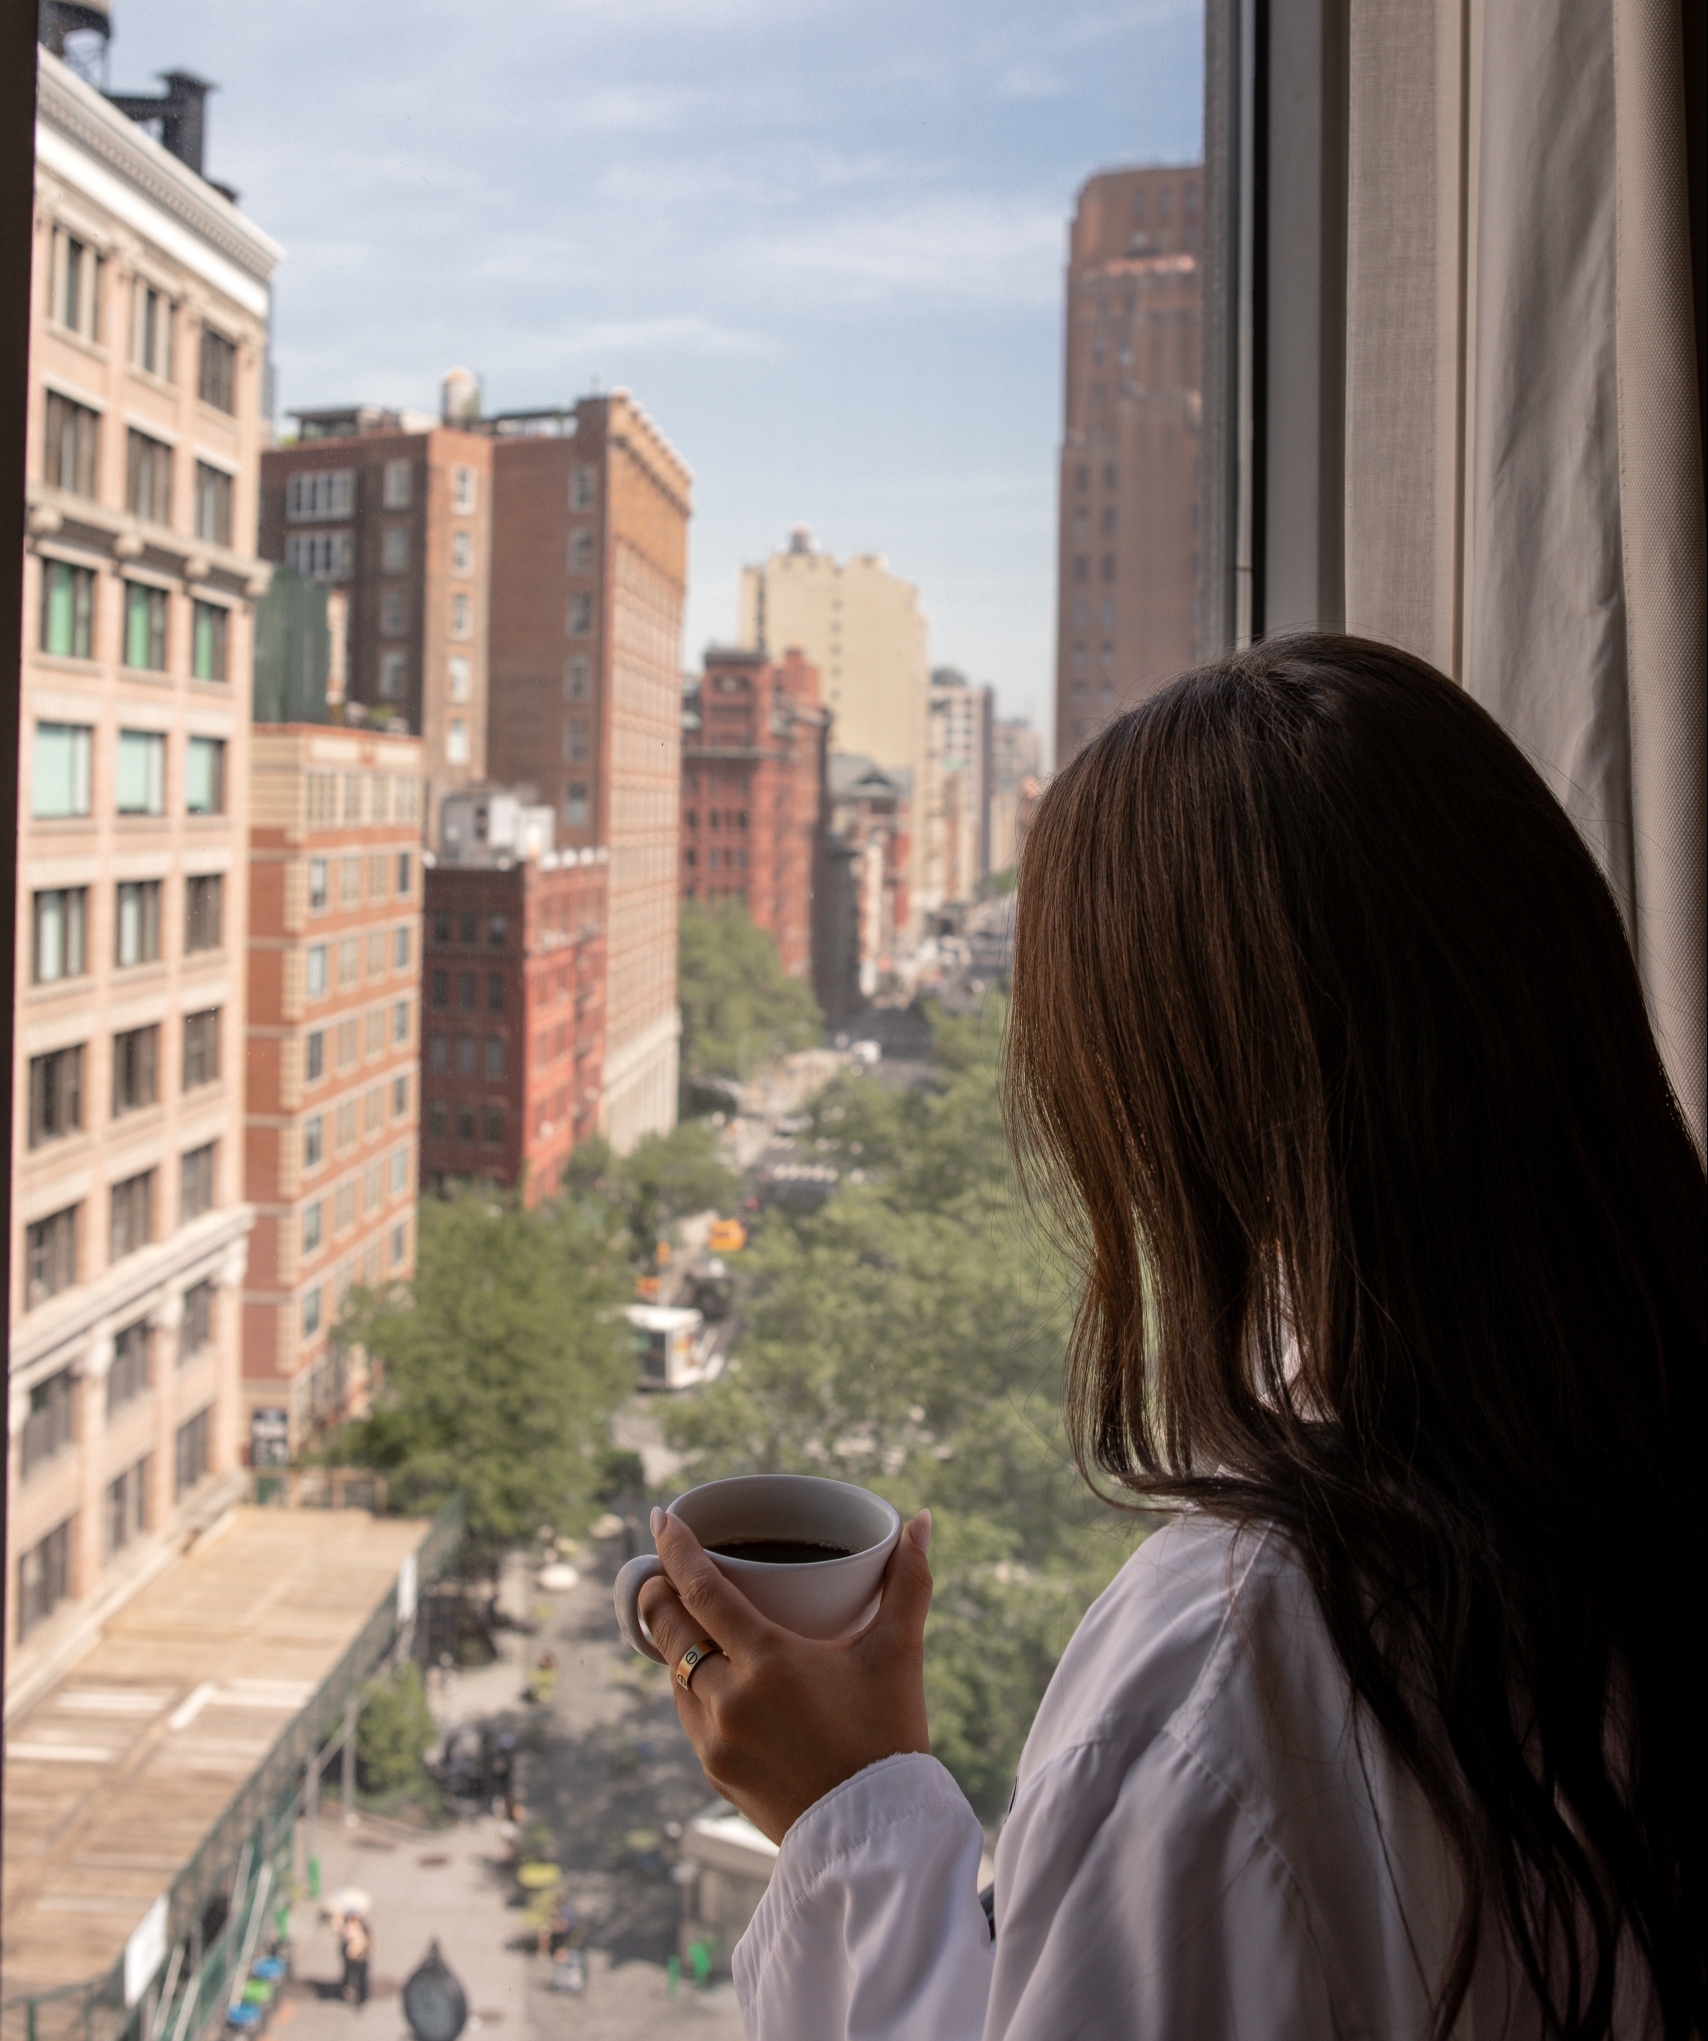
[(465, 1056), (397, 485), (460, 614), (344, 1208), (136, 1070), (145, 627), (210, 622), (394, 549), (457, 742), (581, 552), (190, 1456), (320, 556), (462, 491), (575, 741), (1108, 567), (213, 504), (132, 1215), (405, 874), (311, 1227), (346, 1126), (578, 678), (311, 1313), (195, 1328), (441, 988), (394, 614), (495, 1056), (75, 285), (494, 1125), (460, 676), (127, 1375), (376, 1031), (350, 882), (50, 1256), (60, 776), (148, 477), (399, 1170), (583, 488), (436, 1118), (196, 1182), (462, 553), (204, 912), (68, 610), (216, 377), (317, 885), (313, 1142), (56, 1096), (44, 1577), (127, 1506), (400, 1021), (58, 921), (439, 1054), (495, 992), (497, 931), (575, 805), (316, 970), (201, 1048), (73, 433), (141, 773), (399, 1244), (347, 1045), (349, 960), (204, 776), (580, 614), (465, 1120), (319, 494), (400, 947), (392, 668), (399, 1097)]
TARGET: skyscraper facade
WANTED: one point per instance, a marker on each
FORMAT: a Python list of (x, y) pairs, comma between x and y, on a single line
[(957, 819), (1127, 534), (590, 562)]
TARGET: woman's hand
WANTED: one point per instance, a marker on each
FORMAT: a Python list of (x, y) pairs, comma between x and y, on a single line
[(777, 1719)]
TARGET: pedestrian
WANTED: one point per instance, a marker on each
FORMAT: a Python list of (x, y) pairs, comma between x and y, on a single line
[(357, 1940), (1329, 1051)]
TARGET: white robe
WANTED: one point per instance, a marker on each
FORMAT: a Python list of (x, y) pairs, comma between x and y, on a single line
[(1200, 1846)]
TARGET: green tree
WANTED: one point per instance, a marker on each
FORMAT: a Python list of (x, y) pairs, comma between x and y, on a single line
[(909, 1335), (394, 1732), (739, 1010), (499, 1365), (663, 1178)]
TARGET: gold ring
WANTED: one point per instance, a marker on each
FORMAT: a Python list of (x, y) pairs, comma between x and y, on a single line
[(691, 1657)]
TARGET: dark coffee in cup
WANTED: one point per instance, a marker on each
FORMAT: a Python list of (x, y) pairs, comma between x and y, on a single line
[(778, 1551)]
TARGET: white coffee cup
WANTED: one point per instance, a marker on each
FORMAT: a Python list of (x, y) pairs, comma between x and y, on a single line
[(831, 1597)]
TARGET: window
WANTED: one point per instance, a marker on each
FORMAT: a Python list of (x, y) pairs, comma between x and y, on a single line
[(441, 988), (50, 1256), (44, 1577), (394, 619), (462, 490), (56, 1095), (132, 1214), (314, 1056), (468, 990), (439, 1054), (469, 929), (578, 679), (344, 1208), (196, 1182), (400, 1021), (320, 556), (583, 488), (460, 679), (127, 1373), (462, 553), (497, 931), (204, 776), (347, 1125), (73, 433), (376, 1031), (465, 1120), (575, 806), (396, 488), (311, 1220), (216, 378), (313, 1142), (350, 882), (58, 921), (495, 1056), (127, 1506), (59, 780), (141, 773), (148, 477), (460, 615), (575, 744), (392, 667), (465, 1056), (581, 552), (436, 1118), (400, 949), (495, 992), (399, 1170), (68, 610), (136, 922), (494, 1116), (204, 912), (349, 960), (316, 970), (580, 614), (136, 1069), (405, 875), (213, 504), (457, 742), (201, 1048), (195, 1328), (190, 1455), (145, 627), (394, 549), (399, 1096), (317, 885), (347, 1044), (209, 624)]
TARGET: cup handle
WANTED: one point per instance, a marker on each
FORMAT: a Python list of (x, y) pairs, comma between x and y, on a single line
[(626, 1594)]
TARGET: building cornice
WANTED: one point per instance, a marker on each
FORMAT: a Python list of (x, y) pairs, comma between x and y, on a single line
[(83, 116)]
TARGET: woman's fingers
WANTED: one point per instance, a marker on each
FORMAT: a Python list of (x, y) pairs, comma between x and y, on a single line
[(722, 1611)]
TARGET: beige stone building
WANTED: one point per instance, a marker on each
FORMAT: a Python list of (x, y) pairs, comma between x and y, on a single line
[(863, 628), (147, 362)]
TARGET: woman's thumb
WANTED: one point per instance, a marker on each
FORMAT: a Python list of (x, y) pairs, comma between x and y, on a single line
[(907, 1580)]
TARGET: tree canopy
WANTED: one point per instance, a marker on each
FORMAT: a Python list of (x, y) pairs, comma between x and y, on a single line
[(739, 1009), (663, 1177), (909, 1336)]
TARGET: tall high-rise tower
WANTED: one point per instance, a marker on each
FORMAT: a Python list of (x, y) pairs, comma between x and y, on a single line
[(1128, 539)]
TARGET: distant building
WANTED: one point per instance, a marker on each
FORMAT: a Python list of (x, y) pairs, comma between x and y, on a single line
[(395, 510), (1128, 537), (146, 414), (862, 627), (590, 563), (865, 909), (334, 1036), (516, 965), (1016, 767), (957, 820), (754, 795)]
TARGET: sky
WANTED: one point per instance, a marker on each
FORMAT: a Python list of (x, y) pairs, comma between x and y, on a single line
[(820, 241)]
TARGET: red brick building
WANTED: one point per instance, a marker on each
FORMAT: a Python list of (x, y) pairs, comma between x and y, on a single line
[(515, 1015), (754, 797)]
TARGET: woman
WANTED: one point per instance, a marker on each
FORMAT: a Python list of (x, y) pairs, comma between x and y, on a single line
[(1328, 1049)]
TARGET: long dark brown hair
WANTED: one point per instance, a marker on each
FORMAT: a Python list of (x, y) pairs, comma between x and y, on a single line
[(1328, 1047)]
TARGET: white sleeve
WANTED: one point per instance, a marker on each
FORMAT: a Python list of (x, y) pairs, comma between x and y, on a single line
[(871, 1928)]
